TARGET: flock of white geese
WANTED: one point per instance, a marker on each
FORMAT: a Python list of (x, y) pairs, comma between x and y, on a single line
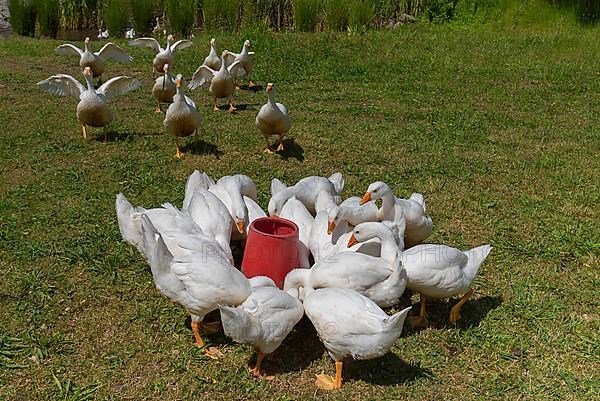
[(217, 74), (355, 258)]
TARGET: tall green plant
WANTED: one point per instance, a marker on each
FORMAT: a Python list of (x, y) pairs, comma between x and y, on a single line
[(48, 16), (221, 14), (306, 14), (360, 13), (336, 14), (143, 12), (22, 16), (79, 14), (181, 15), (116, 15)]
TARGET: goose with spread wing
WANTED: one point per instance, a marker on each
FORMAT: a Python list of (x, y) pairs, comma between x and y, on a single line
[(164, 88), (222, 84), (245, 59), (92, 108), (164, 55), (212, 60), (95, 60)]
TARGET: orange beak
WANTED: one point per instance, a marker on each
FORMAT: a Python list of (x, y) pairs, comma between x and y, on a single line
[(240, 227), (178, 83), (330, 227), (352, 241), (366, 197)]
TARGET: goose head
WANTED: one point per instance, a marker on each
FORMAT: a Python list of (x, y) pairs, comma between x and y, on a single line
[(333, 219), (276, 203), (213, 42), (86, 42), (246, 44), (366, 231), (166, 71), (376, 190), (239, 217), (179, 81), (169, 40)]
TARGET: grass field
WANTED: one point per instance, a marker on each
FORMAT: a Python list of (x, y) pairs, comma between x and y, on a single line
[(499, 129)]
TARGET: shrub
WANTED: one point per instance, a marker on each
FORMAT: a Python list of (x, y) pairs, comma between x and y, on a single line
[(48, 16), (306, 14), (22, 16), (181, 15), (116, 15), (440, 10), (143, 15)]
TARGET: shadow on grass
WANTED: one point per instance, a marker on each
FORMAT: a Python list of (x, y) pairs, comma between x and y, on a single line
[(114, 136), (472, 312), (239, 107), (291, 150), (201, 147), (287, 357), (254, 88), (388, 370)]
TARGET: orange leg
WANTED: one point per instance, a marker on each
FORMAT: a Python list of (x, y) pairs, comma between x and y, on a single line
[(232, 108), (84, 133), (268, 148), (215, 107), (455, 311), (280, 147), (105, 133), (158, 108), (211, 352), (331, 383), (178, 154), (421, 320), (255, 371)]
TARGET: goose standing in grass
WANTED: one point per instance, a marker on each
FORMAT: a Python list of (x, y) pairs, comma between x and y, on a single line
[(440, 271), (222, 85), (350, 325), (92, 108), (245, 58), (419, 225), (163, 56), (273, 119), (212, 60), (199, 281), (164, 88), (263, 320), (95, 60), (182, 118)]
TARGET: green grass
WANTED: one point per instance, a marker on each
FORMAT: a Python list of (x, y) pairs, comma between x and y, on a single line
[(499, 130)]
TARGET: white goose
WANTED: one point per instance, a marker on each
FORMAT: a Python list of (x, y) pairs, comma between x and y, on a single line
[(273, 119), (350, 325), (200, 282), (163, 56), (95, 60), (245, 58), (263, 320), (237, 192), (306, 191), (212, 60), (92, 108), (182, 118), (382, 279), (439, 271), (222, 85), (352, 212), (295, 211), (419, 225), (212, 217), (164, 88)]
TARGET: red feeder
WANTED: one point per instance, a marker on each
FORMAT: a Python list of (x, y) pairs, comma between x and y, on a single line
[(271, 249)]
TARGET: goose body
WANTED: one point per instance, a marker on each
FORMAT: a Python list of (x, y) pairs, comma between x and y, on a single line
[(263, 320), (164, 88), (382, 279), (306, 191), (361, 329), (419, 225), (92, 108), (273, 119), (212, 60), (295, 211), (164, 55), (95, 60), (181, 119), (244, 57), (232, 191), (222, 81)]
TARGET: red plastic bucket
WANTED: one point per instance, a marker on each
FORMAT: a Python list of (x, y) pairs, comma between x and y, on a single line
[(271, 249)]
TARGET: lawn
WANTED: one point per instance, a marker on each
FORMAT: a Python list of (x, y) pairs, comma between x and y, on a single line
[(499, 129)]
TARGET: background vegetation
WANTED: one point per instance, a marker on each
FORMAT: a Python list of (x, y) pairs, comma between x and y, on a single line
[(184, 16), (498, 128)]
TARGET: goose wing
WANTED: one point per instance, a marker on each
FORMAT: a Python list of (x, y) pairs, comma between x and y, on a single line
[(62, 85), (114, 52), (118, 86)]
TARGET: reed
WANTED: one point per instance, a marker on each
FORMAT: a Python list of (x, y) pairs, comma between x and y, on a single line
[(306, 14), (48, 16), (181, 15), (361, 13), (221, 14), (22, 16), (143, 12), (116, 16)]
